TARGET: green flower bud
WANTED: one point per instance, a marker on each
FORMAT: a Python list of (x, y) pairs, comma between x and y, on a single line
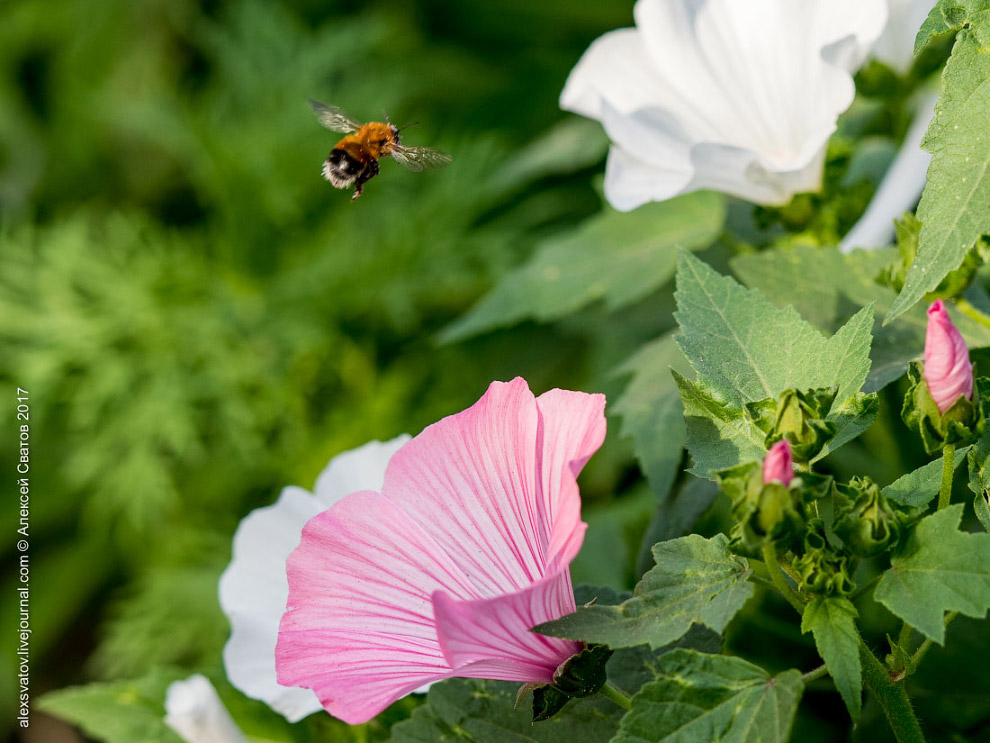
[(798, 417), (866, 521), (820, 570)]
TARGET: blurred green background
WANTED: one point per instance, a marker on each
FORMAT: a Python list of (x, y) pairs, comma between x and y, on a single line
[(200, 319)]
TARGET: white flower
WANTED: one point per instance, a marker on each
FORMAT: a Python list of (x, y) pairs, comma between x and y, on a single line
[(735, 96), (895, 47), (900, 188), (194, 711), (254, 587)]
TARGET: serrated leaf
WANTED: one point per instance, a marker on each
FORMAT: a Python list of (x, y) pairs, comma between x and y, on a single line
[(948, 15), (719, 436), (918, 488), (695, 581), (826, 286), (941, 569), (117, 712), (474, 711), (746, 349), (955, 204), (616, 257), (979, 479), (703, 698), (832, 621), (651, 411)]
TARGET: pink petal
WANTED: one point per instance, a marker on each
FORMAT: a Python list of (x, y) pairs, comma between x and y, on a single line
[(779, 464), (490, 638), (359, 627), (490, 484), (948, 371), (478, 520)]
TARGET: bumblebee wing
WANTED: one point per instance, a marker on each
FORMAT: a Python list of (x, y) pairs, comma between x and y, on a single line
[(333, 118), (418, 159)]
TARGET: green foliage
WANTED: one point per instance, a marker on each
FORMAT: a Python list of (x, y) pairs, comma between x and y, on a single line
[(652, 414), (695, 581), (826, 286), (956, 199), (940, 569), (568, 272), (700, 698), (745, 350), (832, 621), (979, 479), (117, 712), (919, 488)]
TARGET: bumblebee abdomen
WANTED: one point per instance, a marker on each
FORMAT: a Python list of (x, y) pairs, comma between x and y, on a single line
[(342, 168)]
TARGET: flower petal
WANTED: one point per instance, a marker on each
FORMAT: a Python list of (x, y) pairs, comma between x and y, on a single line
[(253, 589), (358, 469), (359, 626), (490, 638), (472, 482), (900, 188), (194, 711)]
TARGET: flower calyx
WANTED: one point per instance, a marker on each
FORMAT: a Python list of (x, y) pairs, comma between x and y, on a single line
[(799, 417), (821, 570), (960, 424), (581, 675), (770, 512), (867, 522)]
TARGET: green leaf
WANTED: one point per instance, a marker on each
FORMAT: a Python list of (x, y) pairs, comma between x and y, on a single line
[(474, 711), (616, 256), (118, 712), (703, 698), (832, 621), (746, 349), (695, 581), (940, 569), (651, 411), (956, 201), (918, 488), (719, 436), (946, 16), (979, 479), (826, 286)]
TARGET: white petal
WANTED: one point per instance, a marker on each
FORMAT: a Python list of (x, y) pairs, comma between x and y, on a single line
[(895, 47), (358, 469), (723, 94), (254, 588), (899, 190), (194, 711)]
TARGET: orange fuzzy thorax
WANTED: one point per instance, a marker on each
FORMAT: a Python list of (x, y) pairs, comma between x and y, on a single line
[(377, 138)]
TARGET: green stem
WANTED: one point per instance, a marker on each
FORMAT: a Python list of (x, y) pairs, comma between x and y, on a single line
[(866, 588), (892, 697), (964, 306), (920, 653), (815, 674), (904, 640), (779, 581), (619, 697), (948, 469)]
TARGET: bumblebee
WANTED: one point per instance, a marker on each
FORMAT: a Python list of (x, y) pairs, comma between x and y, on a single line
[(354, 159)]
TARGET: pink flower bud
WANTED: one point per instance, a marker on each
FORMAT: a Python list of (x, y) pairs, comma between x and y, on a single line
[(948, 371), (779, 464)]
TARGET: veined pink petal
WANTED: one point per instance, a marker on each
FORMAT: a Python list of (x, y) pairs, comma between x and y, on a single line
[(445, 571), (490, 638), (948, 371), (779, 464)]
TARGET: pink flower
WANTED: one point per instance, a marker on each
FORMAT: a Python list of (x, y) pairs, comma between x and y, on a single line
[(779, 464), (444, 572), (948, 371)]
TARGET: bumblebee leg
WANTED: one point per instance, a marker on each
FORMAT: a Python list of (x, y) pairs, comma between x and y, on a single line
[(369, 172)]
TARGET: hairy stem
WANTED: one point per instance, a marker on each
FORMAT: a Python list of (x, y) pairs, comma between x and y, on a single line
[(815, 674), (920, 653), (779, 581), (948, 469), (619, 697), (892, 697)]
